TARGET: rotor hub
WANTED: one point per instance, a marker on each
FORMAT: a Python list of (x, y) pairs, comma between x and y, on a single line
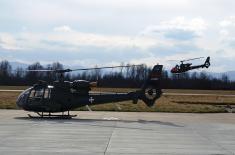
[(150, 93)]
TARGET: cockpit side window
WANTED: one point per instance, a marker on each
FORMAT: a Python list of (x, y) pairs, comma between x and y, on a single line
[(40, 93), (32, 93), (37, 93), (47, 93)]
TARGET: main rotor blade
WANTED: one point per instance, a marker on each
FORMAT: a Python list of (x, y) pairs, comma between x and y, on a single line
[(173, 60), (38, 70), (80, 69), (191, 59), (94, 68), (48, 70)]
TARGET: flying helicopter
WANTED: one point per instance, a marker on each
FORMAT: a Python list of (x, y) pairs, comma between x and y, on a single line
[(184, 67), (64, 96)]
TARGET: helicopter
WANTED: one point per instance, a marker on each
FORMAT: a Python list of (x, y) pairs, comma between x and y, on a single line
[(63, 96), (188, 66)]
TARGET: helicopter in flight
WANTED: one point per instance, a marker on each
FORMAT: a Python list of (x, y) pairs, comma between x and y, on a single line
[(64, 96), (184, 67)]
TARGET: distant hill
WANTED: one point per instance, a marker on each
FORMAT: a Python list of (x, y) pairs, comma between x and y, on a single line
[(230, 74), (15, 65)]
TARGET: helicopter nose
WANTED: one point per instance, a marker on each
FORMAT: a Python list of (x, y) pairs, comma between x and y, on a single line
[(22, 99), (173, 70)]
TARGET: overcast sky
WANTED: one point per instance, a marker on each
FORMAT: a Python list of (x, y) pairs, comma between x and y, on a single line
[(107, 32)]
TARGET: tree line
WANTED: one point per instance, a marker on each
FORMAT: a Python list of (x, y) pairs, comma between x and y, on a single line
[(129, 77)]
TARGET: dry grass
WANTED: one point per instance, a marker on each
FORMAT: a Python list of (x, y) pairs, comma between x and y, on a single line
[(195, 104), (189, 91), (209, 100), (162, 105), (8, 100), (168, 103), (13, 87)]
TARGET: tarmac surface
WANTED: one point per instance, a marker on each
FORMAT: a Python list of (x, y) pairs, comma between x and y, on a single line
[(113, 133)]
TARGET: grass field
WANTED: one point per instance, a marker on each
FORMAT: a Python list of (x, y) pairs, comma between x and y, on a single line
[(8, 100), (167, 103), (13, 87)]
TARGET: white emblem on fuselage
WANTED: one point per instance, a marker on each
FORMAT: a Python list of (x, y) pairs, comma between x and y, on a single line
[(91, 100)]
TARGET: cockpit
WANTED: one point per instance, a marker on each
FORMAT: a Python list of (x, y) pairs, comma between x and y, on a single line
[(40, 93), (33, 95)]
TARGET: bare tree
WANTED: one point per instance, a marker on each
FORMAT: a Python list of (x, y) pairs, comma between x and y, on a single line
[(225, 78), (33, 77), (5, 68)]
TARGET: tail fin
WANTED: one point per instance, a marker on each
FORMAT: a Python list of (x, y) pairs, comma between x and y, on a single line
[(207, 62), (151, 89)]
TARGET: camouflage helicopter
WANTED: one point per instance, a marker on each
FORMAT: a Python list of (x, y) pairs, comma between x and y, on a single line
[(184, 67), (64, 96)]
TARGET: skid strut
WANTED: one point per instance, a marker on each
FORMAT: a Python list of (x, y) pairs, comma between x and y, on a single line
[(49, 115)]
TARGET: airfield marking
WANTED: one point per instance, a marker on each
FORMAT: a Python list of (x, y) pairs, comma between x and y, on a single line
[(186, 94), (110, 118), (9, 90)]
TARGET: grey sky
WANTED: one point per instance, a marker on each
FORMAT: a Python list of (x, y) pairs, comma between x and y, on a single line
[(106, 32)]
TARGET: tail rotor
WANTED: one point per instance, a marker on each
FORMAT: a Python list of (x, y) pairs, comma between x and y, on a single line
[(151, 90), (207, 62)]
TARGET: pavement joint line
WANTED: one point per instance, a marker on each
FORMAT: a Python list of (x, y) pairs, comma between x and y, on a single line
[(212, 142), (114, 128)]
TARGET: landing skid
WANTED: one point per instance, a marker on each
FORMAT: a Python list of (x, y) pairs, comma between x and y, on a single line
[(49, 115)]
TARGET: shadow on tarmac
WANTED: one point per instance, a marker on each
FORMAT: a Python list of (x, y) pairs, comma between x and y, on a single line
[(127, 124)]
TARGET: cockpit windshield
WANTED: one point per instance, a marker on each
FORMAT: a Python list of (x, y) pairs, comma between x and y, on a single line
[(22, 98), (27, 91)]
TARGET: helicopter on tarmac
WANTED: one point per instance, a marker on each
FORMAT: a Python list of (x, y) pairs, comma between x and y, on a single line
[(62, 96), (188, 66)]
